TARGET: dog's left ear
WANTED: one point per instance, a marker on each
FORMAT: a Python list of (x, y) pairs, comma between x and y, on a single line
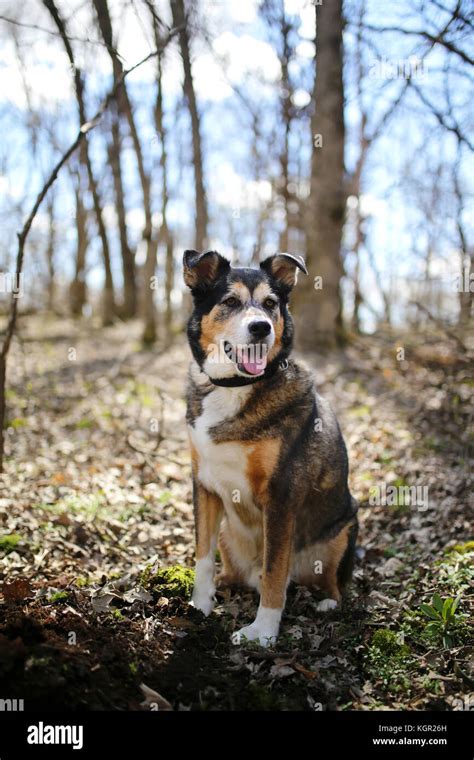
[(201, 270), (283, 268)]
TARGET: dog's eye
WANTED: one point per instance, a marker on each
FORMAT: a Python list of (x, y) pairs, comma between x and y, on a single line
[(269, 303), (231, 301)]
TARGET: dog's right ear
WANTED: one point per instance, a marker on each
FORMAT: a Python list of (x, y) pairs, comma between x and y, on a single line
[(201, 270)]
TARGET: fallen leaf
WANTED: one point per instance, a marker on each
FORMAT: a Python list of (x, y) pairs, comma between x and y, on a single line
[(17, 590), (153, 700)]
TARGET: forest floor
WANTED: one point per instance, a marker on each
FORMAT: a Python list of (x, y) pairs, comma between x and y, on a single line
[(96, 535)]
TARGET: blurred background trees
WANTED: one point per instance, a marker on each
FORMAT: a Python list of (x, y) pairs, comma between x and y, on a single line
[(341, 132)]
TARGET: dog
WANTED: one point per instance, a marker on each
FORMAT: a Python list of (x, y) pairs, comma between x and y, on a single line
[(269, 462)]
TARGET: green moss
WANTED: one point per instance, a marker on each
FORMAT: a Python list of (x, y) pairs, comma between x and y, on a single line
[(168, 581), (9, 542), (84, 424), (17, 423), (82, 582), (389, 659), (359, 411), (58, 596), (145, 393), (465, 548), (40, 663), (388, 643), (117, 615)]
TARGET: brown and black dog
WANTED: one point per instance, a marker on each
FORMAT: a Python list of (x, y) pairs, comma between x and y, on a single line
[(269, 461)]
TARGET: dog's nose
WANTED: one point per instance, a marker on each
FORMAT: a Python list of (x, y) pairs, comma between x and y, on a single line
[(260, 328)]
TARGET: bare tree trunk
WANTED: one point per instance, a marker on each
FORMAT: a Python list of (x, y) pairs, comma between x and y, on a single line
[(129, 306), (286, 114), (466, 259), (180, 20), (50, 248), (125, 108), (358, 298), (465, 294), (109, 299), (319, 311), (77, 288), (3, 410), (356, 179), (166, 236), (169, 283), (359, 238), (148, 303)]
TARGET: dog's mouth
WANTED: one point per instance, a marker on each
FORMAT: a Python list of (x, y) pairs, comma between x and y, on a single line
[(250, 359)]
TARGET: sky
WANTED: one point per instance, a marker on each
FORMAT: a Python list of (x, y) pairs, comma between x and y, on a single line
[(234, 52)]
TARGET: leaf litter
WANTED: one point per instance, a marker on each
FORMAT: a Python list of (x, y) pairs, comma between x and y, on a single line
[(96, 498)]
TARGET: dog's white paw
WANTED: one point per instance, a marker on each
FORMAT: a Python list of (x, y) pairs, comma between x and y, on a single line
[(203, 601), (326, 605), (264, 628), (254, 632)]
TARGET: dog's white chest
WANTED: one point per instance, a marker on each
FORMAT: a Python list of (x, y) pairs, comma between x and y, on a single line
[(222, 466)]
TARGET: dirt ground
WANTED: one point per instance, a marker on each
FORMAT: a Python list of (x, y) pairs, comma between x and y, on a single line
[(95, 506)]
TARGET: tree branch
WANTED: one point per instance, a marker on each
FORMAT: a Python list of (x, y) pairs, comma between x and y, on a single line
[(435, 39), (440, 117)]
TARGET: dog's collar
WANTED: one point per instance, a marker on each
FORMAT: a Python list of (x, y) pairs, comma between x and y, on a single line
[(237, 381)]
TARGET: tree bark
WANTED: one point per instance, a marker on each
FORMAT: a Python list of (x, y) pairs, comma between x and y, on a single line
[(466, 258), (129, 306), (201, 219), (77, 288), (166, 236), (125, 108), (319, 311), (50, 248)]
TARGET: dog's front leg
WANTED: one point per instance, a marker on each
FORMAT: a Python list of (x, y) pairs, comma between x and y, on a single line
[(277, 551), (208, 509)]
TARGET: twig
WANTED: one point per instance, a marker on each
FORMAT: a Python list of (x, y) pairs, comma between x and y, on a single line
[(435, 39), (51, 32), (454, 128), (441, 325), (151, 453)]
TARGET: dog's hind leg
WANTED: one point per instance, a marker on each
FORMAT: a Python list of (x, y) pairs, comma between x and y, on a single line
[(328, 565)]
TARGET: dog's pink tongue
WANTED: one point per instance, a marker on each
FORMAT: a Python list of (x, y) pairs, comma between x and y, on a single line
[(255, 368)]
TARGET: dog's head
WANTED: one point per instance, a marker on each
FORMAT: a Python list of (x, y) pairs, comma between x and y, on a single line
[(240, 324)]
